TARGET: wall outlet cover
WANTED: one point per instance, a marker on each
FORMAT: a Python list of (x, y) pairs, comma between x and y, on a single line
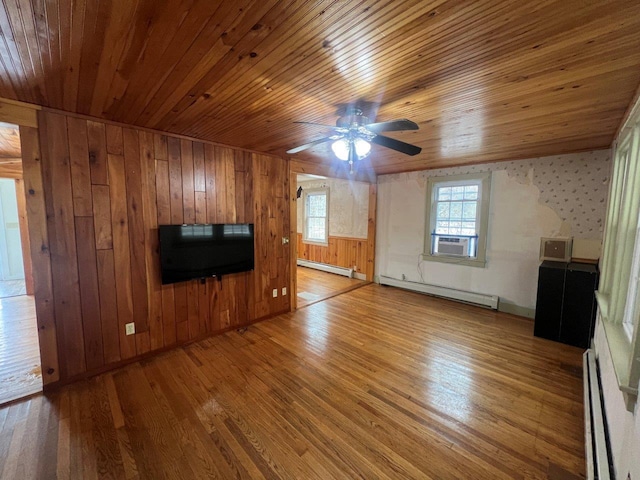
[(284, 291), (130, 328), (275, 292)]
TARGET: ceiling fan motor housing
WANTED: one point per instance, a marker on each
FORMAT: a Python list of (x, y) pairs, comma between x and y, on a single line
[(352, 120)]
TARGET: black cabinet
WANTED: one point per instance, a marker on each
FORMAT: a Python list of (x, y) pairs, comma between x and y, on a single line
[(566, 306)]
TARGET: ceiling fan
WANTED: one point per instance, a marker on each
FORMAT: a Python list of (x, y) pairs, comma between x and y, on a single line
[(353, 136)]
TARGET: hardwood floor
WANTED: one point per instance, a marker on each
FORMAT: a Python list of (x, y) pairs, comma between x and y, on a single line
[(315, 285), (375, 383), (20, 373)]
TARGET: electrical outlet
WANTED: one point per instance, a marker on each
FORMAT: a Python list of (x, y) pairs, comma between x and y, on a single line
[(404, 277), (284, 291), (130, 328), (275, 292)]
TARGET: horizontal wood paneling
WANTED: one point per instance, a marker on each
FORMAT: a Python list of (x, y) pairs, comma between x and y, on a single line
[(106, 189), (528, 80)]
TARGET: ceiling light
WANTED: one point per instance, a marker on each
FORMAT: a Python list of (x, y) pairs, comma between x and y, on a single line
[(342, 146), (341, 149), (362, 148)]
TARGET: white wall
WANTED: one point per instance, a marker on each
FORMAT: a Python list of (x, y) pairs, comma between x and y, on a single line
[(624, 426), (348, 207), (562, 195), (11, 266)]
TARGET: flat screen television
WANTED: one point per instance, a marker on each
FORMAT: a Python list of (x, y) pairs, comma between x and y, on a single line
[(198, 251)]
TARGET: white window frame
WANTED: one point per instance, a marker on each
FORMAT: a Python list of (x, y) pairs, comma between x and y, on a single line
[(305, 235), (618, 292), (483, 180)]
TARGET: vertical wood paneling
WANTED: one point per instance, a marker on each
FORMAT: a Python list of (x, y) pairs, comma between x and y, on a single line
[(150, 213), (198, 167), (97, 143), (114, 140), (103, 192), (108, 306), (102, 217), (175, 180), (89, 296), (160, 147), (121, 252), (220, 155), (210, 182), (62, 242), (80, 173), (137, 245), (188, 192), (163, 192), (40, 251)]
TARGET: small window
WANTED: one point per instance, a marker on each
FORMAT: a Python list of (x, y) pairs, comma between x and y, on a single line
[(457, 218), (316, 216)]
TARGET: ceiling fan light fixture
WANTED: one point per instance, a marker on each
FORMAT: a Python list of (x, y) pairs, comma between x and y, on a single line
[(342, 146), (341, 149), (362, 148)]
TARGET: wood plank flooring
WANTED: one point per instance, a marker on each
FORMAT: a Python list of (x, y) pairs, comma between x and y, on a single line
[(315, 285), (20, 373), (375, 383)]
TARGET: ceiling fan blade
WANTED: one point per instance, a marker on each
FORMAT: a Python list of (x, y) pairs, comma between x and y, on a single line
[(392, 126), (317, 124), (312, 144), (397, 145)]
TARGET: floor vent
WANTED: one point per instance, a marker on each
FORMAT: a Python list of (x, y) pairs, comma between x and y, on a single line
[(347, 272), (597, 457), (481, 299)]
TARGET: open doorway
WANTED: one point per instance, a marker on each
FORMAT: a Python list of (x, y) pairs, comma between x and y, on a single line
[(20, 367), (332, 237)]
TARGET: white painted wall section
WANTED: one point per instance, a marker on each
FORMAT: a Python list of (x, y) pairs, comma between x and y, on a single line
[(553, 196)]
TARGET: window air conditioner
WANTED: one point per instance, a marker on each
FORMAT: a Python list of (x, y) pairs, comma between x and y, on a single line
[(454, 246)]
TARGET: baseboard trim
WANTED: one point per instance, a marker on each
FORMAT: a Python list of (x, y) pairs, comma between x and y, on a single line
[(513, 309), (347, 272)]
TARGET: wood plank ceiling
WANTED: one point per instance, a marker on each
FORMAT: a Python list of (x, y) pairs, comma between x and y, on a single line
[(485, 80), (10, 161)]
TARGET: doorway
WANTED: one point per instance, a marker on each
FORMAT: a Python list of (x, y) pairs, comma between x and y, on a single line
[(332, 220), (20, 366)]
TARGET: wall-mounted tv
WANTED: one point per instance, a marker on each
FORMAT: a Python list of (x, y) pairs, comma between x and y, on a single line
[(198, 251)]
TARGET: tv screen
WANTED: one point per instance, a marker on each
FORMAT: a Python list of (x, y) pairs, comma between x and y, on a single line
[(200, 251)]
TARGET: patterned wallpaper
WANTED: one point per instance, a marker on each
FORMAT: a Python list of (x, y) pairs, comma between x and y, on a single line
[(575, 185)]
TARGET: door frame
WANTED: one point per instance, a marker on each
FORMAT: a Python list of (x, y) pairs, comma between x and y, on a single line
[(26, 117), (297, 167)]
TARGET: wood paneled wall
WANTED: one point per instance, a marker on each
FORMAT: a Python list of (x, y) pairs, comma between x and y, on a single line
[(104, 190), (341, 251)]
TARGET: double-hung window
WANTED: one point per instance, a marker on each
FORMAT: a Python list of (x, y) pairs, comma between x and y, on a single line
[(457, 218), (619, 288), (316, 216)]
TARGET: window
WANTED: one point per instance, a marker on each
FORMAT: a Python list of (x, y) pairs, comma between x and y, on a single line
[(457, 218), (618, 292), (316, 216)]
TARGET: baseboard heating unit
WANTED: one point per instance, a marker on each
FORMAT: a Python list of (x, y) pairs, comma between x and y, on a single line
[(597, 456), (481, 299), (347, 272)]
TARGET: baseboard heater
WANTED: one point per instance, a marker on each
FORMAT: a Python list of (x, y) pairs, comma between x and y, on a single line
[(597, 458), (347, 272), (481, 299)]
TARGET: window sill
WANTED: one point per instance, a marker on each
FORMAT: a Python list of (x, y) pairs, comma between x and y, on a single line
[(466, 261), (620, 350)]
